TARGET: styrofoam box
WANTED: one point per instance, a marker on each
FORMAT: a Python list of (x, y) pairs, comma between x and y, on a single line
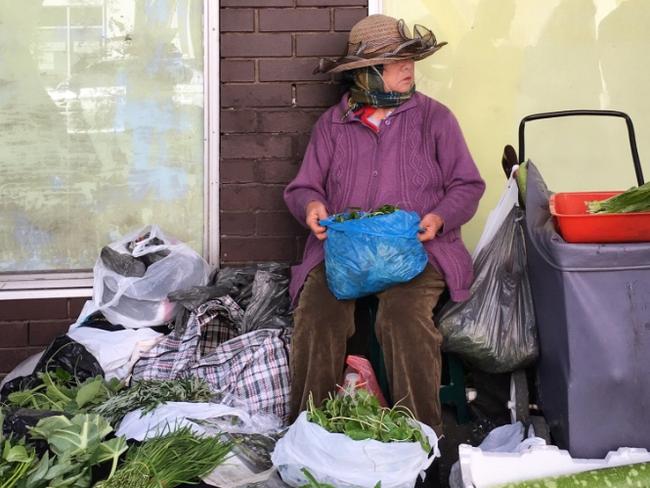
[(486, 469)]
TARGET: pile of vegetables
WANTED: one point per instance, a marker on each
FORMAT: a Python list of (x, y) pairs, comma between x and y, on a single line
[(359, 415), (76, 445), (78, 440), (147, 395), (635, 199), (61, 392), (169, 460), (356, 213)]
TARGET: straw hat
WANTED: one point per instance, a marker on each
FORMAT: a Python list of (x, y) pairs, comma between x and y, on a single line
[(380, 39)]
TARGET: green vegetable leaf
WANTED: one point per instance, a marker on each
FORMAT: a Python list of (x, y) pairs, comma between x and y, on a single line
[(89, 391), (17, 454)]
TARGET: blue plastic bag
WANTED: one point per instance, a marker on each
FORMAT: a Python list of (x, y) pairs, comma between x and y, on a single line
[(367, 255)]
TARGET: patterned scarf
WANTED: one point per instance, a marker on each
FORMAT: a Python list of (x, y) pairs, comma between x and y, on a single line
[(367, 88)]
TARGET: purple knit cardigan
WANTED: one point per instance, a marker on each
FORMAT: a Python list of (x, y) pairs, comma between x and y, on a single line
[(418, 161)]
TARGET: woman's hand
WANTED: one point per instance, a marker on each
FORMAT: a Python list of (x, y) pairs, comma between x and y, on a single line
[(316, 211), (429, 227)]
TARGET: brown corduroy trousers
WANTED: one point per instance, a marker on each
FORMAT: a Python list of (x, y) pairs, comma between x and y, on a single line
[(405, 330)]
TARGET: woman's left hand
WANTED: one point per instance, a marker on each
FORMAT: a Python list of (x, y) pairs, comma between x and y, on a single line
[(429, 227)]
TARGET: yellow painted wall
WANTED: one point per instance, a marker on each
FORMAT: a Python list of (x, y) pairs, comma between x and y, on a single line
[(510, 58)]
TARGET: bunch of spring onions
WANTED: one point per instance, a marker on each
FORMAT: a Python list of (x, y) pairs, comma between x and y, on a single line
[(169, 460), (635, 199)]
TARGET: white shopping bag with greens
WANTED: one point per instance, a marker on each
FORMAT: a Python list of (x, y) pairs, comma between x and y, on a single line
[(373, 445)]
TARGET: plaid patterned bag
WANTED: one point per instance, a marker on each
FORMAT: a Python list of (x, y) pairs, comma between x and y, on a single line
[(254, 367)]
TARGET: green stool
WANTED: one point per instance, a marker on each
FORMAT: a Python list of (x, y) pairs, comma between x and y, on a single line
[(452, 389)]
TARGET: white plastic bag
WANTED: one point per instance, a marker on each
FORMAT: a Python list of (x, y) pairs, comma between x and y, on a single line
[(116, 351), (509, 199), (141, 301), (174, 415), (345, 463)]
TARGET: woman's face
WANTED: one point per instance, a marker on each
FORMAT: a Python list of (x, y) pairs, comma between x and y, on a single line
[(399, 76)]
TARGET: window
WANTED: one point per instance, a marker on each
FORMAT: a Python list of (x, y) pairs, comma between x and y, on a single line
[(106, 127)]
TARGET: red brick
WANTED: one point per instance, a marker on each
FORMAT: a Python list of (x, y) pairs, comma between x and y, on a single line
[(300, 142), (237, 223), (246, 146), (13, 334), (50, 308), (255, 45), (277, 224), (290, 69), (42, 333), (75, 305), (330, 3), (330, 44), (256, 249), (287, 120), (258, 95), (236, 20), (10, 358), (317, 95), (273, 171), (235, 120), (252, 197), (256, 3), (292, 20), (237, 171), (237, 70), (300, 246), (345, 18)]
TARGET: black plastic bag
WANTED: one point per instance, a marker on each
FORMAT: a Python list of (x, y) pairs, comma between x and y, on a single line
[(261, 290), (495, 328), (63, 353), (18, 422)]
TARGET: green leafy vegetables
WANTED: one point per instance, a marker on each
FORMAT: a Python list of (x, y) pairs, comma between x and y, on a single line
[(78, 444), (61, 392), (147, 395), (169, 460), (356, 213), (358, 415), (635, 199)]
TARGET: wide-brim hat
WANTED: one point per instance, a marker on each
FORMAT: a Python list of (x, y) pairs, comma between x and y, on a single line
[(380, 39)]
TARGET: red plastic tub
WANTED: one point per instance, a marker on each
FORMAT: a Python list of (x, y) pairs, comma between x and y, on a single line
[(576, 225)]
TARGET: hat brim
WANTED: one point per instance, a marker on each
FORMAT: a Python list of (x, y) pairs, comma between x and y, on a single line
[(347, 63)]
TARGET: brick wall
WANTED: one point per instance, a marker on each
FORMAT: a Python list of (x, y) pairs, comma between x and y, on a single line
[(270, 100), (27, 326)]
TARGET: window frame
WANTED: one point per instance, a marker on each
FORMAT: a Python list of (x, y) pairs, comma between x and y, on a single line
[(375, 7), (68, 284)]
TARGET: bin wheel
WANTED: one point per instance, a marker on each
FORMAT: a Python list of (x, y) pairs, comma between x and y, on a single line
[(519, 400), (541, 428)]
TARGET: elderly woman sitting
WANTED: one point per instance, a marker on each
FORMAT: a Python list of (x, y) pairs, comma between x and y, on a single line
[(383, 143)]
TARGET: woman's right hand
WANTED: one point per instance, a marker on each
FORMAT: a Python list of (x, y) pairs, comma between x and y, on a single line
[(315, 212)]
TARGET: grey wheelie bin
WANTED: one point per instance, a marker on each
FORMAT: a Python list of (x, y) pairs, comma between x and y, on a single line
[(592, 308)]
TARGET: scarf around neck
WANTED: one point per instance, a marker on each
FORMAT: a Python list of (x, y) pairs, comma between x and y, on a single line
[(368, 90)]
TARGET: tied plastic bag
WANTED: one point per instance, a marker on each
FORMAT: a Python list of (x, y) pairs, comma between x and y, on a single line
[(495, 328), (338, 460), (131, 282), (366, 378), (367, 255)]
